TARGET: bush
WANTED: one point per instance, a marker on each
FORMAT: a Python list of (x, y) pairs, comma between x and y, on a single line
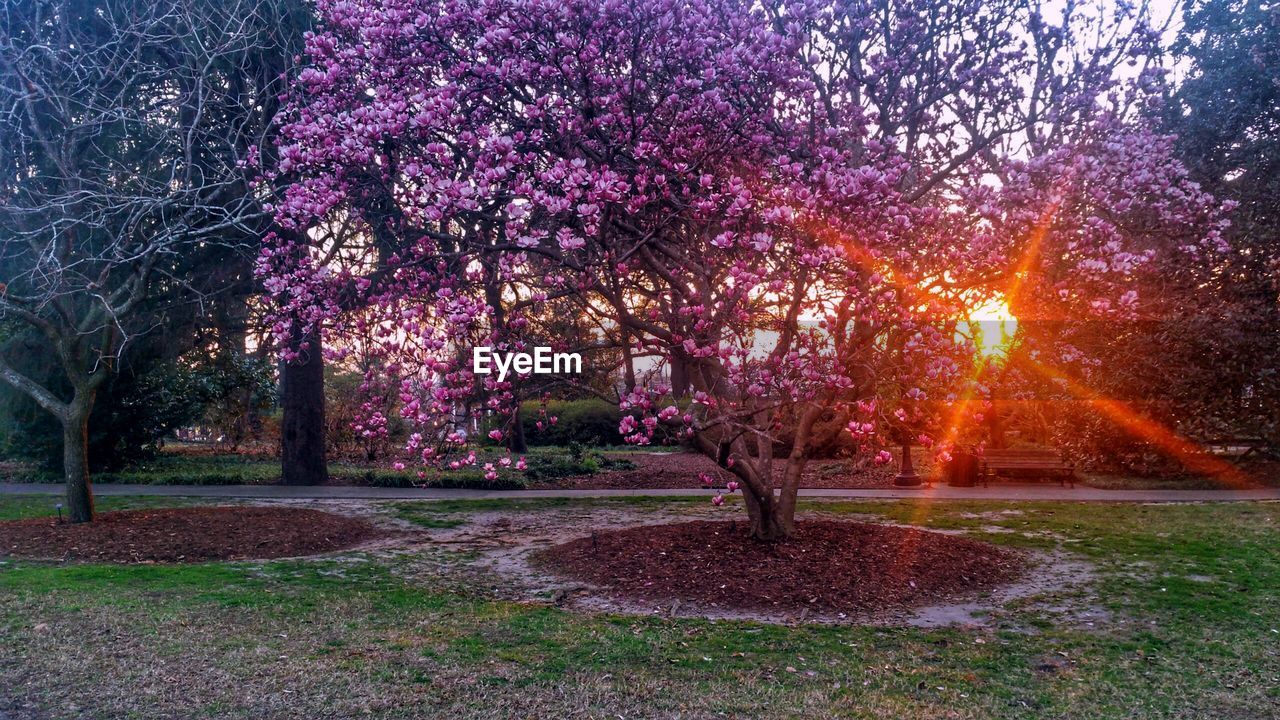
[(195, 470), (132, 412), (142, 404), (345, 395), (544, 466), (465, 479), (586, 422), (237, 391)]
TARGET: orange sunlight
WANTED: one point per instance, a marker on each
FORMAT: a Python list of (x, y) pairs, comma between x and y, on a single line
[(1191, 454), (993, 326)]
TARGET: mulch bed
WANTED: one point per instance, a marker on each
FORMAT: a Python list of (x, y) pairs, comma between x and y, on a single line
[(826, 566), (186, 535)]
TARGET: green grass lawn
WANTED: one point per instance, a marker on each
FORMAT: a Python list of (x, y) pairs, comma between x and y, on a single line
[(1192, 593), (19, 507), (1263, 477)]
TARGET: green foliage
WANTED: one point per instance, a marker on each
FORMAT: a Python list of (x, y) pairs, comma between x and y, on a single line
[(233, 389), (463, 478), (1226, 116), (1225, 111), (544, 466), (587, 422), (145, 402), (133, 411)]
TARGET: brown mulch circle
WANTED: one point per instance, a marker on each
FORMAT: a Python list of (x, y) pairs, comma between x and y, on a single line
[(187, 535), (826, 566)]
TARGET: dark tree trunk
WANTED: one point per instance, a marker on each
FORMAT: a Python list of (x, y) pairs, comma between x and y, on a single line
[(628, 364), (75, 465), (772, 516), (679, 377), (771, 520), (995, 429), (302, 454), (516, 442)]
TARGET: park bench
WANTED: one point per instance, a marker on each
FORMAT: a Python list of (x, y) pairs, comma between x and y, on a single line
[(1242, 447), (1027, 463)]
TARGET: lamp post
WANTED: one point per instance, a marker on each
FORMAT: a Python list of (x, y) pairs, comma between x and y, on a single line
[(906, 476)]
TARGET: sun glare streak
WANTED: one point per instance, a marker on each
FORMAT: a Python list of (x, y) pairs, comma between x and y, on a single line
[(992, 325), (960, 410), (1030, 254), (1189, 453)]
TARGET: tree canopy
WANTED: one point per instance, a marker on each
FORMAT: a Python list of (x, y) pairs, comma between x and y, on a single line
[(846, 178)]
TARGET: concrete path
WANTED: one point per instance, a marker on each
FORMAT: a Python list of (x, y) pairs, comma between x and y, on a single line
[(937, 492)]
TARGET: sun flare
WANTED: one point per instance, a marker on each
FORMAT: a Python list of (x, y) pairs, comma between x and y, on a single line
[(993, 326)]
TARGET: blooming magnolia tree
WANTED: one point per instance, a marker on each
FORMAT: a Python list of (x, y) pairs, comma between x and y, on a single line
[(1197, 358), (791, 205)]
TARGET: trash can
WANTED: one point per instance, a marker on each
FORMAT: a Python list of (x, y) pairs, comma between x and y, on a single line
[(962, 471)]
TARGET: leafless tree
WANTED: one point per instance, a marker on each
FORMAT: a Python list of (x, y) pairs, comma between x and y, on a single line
[(127, 131)]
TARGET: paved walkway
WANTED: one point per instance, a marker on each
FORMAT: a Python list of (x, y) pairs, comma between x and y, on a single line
[(937, 492)]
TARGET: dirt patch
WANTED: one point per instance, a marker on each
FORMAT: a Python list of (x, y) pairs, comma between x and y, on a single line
[(197, 534), (826, 567), (1053, 573)]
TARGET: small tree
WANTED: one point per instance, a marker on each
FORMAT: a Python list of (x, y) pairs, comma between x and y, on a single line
[(124, 129)]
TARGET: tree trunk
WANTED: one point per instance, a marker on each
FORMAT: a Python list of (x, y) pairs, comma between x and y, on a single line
[(995, 429), (75, 465), (771, 520), (679, 377), (628, 364), (516, 442), (302, 454), (773, 517)]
